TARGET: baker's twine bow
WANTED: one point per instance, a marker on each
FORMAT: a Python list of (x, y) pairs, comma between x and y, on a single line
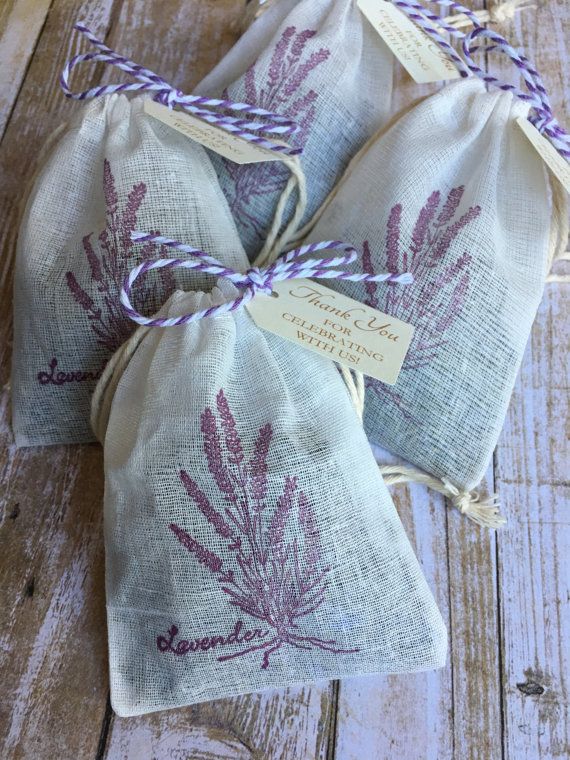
[(211, 110), (541, 115), (287, 267)]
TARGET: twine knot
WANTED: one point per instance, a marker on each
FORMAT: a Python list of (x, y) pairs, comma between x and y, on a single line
[(260, 280), (544, 122), (483, 512), (256, 280), (229, 115), (169, 97)]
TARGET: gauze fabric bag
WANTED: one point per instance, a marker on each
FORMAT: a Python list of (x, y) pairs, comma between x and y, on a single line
[(115, 167), (250, 540), (322, 63), (455, 193)]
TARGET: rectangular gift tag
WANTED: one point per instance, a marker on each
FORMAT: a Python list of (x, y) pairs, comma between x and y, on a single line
[(421, 57), (226, 144), (337, 327), (558, 165)]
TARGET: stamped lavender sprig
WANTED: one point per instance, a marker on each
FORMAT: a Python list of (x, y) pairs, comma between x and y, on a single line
[(283, 87), (109, 255), (441, 279), (271, 576)]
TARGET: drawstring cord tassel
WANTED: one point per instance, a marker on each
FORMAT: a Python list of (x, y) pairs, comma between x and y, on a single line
[(484, 512), (496, 14)]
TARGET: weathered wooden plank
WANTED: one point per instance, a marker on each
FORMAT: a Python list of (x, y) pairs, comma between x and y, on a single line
[(532, 478), (475, 657), (52, 654), (181, 41), (404, 715), (21, 22), (532, 474), (290, 723)]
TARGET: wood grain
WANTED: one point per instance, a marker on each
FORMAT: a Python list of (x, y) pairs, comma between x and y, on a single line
[(21, 22), (503, 695), (532, 476), (53, 657)]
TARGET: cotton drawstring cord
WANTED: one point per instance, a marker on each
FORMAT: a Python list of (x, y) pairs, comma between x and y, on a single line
[(275, 242), (484, 512), (564, 278), (214, 111)]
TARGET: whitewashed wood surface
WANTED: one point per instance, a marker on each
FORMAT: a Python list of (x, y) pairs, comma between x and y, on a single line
[(503, 695)]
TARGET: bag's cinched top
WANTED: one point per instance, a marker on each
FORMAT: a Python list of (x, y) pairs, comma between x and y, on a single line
[(201, 107)]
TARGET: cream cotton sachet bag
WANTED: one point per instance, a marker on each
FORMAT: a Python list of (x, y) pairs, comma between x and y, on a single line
[(322, 63), (250, 540), (454, 192), (115, 167)]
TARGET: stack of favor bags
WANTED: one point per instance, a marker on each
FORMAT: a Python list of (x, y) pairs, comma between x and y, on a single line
[(251, 541)]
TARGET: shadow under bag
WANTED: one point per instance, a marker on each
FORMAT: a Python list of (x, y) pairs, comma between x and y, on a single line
[(250, 540)]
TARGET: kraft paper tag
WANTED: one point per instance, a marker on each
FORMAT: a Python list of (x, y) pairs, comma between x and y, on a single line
[(557, 164), (334, 326), (422, 58), (229, 146)]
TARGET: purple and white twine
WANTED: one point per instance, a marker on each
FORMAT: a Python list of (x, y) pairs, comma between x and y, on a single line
[(541, 115), (200, 107), (287, 267)]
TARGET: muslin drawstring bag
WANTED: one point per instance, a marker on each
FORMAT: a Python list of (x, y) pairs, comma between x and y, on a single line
[(322, 63), (114, 168), (250, 540), (454, 192)]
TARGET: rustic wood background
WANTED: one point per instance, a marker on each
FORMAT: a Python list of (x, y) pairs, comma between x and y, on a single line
[(503, 695)]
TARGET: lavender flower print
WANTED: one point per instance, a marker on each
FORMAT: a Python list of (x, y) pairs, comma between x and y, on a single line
[(283, 91), (109, 259), (441, 280), (271, 578)]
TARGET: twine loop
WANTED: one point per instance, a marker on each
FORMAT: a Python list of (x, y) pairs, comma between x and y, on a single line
[(256, 280), (541, 115), (231, 116)]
